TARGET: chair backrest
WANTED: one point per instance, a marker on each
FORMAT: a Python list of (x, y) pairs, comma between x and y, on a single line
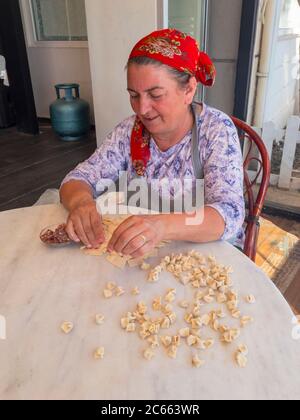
[(255, 153)]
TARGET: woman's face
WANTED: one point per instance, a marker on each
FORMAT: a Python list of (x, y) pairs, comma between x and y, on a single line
[(157, 99)]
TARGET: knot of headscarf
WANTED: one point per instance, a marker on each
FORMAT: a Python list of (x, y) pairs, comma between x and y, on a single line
[(180, 51)]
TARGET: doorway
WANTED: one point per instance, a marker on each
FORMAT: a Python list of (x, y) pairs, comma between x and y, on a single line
[(16, 88)]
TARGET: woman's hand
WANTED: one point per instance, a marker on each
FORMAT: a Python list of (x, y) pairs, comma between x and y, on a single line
[(85, 224), (137, 235)]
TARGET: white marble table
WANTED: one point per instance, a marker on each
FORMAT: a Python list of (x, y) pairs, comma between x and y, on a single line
[(41, 287)]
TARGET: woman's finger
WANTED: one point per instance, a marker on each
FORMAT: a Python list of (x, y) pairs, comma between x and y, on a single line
[(71, 232), (128, 223), (140, 252), (127, 236), (88, 230), (138, 240), (97, 226), (80, 231)]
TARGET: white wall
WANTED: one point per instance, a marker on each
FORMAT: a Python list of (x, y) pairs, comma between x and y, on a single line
[(49, 66), (114, 26), (223, 46), (52, 64)]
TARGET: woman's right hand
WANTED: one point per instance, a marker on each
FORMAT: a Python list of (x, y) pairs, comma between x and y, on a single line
[(85, 224)]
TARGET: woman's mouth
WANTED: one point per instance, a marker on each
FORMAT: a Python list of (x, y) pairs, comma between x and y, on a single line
[(149, 120)]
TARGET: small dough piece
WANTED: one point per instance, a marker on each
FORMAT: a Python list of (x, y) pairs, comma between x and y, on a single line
[(107, 293), (236, 314), (153, 341), (67, 327), (99, 318), (96, 252), (208, 299), (119, 291), (197, 362), (99, 353), (130, 327), (172, 351), (135, 262), (111, 285), (135, 291), (170, 296), (117, 260), (145, 266), (191, 340), (165, 324), (231, 335), (149, 354), (245, 320), (166, 340), (156, 304), (241, 359), (243, 349), (184, 332), (250, 299), (184, 304)]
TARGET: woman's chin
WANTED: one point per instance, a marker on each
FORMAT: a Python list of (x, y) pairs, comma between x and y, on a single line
[(153, 126)]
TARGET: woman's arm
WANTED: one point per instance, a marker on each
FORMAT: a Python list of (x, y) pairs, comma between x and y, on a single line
[(82, 185), (205, 226)]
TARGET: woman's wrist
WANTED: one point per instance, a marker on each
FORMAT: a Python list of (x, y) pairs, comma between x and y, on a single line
[(170, 226), (81, 200)]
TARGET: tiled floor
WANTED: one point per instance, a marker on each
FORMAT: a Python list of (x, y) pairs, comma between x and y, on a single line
[(31, 164), (287, 277)]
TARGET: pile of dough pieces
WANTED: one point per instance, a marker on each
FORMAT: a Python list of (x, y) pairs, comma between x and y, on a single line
[(210, 283), (110, 224)]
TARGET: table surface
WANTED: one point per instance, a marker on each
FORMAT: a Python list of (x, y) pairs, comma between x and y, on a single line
[(40, 287)]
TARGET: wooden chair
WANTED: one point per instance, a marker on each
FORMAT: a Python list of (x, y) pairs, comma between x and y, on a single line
[(255, 154)]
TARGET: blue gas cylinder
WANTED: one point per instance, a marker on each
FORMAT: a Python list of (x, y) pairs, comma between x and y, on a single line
[(70, 115)]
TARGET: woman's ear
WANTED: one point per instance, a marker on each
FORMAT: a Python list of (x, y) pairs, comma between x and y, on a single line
[(190, 90)]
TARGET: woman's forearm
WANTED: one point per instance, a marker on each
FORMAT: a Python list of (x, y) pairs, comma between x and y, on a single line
[(207, 226), (74, 193)]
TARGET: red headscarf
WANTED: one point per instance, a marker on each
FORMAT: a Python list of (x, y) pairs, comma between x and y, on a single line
[(180, 51)]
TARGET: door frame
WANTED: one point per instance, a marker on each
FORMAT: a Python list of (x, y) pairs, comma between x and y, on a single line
[(248, 29), (15, 53)]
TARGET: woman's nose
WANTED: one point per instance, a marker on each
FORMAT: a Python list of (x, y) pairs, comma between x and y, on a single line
[(144, 106)]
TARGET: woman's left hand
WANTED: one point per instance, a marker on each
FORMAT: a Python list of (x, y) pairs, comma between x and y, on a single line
[(138, 235)]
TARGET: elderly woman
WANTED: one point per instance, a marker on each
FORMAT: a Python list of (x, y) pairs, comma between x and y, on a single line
[(168, 137)]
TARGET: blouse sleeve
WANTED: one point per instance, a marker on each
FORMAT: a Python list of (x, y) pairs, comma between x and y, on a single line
[(224, 176), (107, 161)]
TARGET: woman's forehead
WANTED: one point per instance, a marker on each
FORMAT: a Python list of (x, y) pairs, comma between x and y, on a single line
[(148, 76)]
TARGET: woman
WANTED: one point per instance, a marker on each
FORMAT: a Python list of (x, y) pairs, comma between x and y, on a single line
[(163, 71)]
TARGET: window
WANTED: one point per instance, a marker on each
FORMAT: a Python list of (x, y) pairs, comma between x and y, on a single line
[(189, 17), (59, 20), (290, 16)]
